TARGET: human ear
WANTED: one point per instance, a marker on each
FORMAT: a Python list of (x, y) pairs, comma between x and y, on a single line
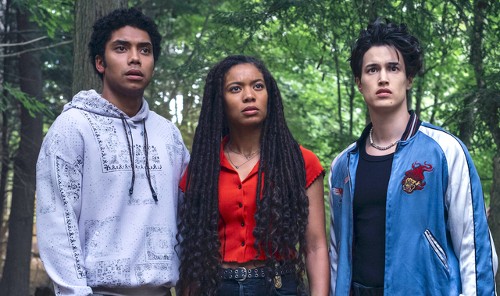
[(358, 83), (409, 83), (100, 64)]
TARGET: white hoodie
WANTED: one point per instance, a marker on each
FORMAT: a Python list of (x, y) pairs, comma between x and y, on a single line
[(92, 234)]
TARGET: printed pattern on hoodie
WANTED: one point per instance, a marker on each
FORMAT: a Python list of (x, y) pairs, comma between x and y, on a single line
[(91, 231)]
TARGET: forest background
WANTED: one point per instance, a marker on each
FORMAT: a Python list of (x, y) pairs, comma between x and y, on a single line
[(305, 44)]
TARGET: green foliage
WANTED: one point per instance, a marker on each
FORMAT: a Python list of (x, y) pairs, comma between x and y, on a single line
[(306, 45), (31, 104), (55, 16)]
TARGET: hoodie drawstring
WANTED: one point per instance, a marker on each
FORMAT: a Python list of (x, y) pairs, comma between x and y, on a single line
[(130, 151), (148, 173), (130, 144)]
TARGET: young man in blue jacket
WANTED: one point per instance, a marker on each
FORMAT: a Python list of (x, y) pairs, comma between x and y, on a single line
[(407, 208)]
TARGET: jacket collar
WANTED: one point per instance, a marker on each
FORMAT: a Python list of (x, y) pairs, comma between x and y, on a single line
[(411, 129)]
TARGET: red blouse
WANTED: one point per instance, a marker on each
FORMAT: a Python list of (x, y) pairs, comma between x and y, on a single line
[(237, 206)]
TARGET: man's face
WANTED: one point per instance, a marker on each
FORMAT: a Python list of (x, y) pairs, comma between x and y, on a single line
[(128, 64), (383, 80)]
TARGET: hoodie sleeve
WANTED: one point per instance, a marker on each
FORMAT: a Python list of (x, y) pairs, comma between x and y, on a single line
[(58, 197)]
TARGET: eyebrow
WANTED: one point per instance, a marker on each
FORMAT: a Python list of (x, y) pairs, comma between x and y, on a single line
[(377, 64), (125, 42), (240, 82)]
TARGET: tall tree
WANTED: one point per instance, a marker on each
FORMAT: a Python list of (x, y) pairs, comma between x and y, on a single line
[(7, 77), (494, 218), (487, 91), (86, 13), (476, 60), (16, 272)]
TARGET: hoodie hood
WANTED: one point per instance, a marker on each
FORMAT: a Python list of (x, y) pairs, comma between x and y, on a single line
[(91, 101)]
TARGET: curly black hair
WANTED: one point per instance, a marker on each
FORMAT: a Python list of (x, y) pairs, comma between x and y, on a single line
[(282, 209), (104, 27), (395, 35)]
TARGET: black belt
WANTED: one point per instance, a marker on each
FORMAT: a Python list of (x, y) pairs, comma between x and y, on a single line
[(360, 290), (242, 273)]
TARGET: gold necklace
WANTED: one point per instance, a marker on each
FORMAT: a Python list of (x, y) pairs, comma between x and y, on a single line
[(382, 148), (248, 157), (238, 166)]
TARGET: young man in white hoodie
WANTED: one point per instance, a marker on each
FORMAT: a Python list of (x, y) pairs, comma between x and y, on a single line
[(108, 174)]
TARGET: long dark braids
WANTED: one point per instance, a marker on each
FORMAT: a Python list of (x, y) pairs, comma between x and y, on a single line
[(282, 207)]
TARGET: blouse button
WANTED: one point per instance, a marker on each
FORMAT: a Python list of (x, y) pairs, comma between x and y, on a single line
[(242, 224), (239, 186), (240, 204), (242, 244)]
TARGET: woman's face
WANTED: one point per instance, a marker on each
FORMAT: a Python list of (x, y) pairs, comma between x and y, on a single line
[(245, 96)]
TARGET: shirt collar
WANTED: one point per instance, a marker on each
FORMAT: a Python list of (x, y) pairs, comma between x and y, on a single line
[(225, 164)]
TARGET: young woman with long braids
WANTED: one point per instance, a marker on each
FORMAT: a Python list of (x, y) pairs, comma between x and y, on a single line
[(235, 239)]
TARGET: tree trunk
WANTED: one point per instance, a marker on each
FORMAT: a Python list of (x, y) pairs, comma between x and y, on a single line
[(16, 272), (418, 88), (7, 76), (489, 112), (352, 91), (494, 217), (86, 13), (467, 125), (4, 173), (339, 93)]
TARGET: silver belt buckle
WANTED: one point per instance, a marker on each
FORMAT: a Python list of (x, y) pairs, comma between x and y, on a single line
[(244, 274)]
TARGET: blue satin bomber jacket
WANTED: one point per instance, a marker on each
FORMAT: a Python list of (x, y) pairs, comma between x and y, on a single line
[(437, 237)]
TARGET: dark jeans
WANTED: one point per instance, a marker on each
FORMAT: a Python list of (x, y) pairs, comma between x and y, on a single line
[(258, 287)]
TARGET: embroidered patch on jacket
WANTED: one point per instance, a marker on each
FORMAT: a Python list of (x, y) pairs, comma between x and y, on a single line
[(337, 191), (414, 178)]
